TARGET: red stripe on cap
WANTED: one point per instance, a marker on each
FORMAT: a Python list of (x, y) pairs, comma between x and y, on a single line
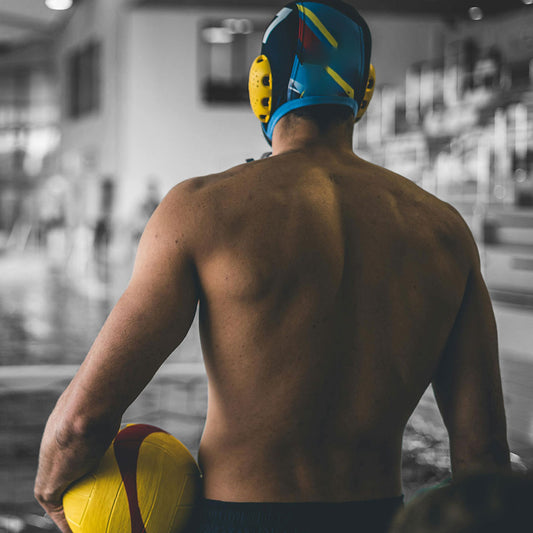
[(310, 47), (126, 446)]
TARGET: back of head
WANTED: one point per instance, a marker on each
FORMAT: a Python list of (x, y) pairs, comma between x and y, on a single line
[(481, 503), (313, 54)]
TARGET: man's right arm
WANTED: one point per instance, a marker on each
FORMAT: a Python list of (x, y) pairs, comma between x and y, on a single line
[(467, 383)]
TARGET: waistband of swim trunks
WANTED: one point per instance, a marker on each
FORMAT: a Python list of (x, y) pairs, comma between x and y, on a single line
[(305, 516)]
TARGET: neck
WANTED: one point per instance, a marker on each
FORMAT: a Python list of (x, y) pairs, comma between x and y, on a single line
[(301, 134)]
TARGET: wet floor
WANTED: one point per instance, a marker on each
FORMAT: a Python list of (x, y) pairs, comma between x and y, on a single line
[(49, 316), (45, 317), (50, 313)]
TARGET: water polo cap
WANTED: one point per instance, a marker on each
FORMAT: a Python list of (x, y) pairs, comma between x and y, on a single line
[(312, 53)]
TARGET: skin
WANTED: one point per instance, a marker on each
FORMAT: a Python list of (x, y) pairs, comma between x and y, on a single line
[(331, 293)]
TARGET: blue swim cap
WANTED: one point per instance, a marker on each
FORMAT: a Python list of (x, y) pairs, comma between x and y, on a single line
[(312, 53)]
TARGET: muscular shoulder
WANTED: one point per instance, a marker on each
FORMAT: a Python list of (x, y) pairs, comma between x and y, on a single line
[(436, 220), (462, 237), (450, 230), (203, 190), (195, 207), (193, 197)]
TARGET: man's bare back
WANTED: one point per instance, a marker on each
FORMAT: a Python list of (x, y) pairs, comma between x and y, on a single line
[(332, 292), (329, 289)]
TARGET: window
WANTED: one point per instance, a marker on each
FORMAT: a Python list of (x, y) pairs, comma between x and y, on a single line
[(228, 48), (83, 71)]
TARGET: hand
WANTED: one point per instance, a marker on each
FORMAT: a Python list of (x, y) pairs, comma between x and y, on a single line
[(55, 512)]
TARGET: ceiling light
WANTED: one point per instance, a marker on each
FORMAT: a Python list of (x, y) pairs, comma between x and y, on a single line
[(58, 5), (217, 35), (527, 2), (475, 13), (238, 26)]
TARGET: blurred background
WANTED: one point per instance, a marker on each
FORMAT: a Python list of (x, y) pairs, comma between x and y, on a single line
[(106, 104)]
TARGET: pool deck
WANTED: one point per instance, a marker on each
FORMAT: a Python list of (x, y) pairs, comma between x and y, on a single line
[(49, 325)]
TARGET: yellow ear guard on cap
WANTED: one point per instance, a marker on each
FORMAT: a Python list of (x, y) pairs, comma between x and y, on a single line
[(369, 92), (260, 88)]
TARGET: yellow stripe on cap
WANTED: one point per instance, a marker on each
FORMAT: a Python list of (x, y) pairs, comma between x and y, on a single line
[(348, 89), (316, 21)]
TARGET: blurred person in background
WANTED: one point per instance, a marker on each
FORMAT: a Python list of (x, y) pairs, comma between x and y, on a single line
[(484, 502), (149, 204), (103, 228), (331, 293)]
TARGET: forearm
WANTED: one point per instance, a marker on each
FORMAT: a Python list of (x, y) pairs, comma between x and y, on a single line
[(492, 453)]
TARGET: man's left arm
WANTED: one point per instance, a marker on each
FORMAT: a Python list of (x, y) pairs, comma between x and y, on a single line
[(151, 318)]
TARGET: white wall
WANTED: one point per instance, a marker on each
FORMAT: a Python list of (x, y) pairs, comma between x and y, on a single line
[(167, 131), (90, 144), (153, 122), (400, 41)]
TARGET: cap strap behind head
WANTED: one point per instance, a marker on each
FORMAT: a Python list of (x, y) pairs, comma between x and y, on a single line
[(311, 100)]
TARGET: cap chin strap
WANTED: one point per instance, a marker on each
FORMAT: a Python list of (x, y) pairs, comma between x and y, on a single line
[(287, 107), (369, 92)]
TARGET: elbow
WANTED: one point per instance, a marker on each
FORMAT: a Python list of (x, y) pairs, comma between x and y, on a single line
[(72, 431)]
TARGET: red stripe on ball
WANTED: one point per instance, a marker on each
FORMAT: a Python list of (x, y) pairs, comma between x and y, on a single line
[(126, 447)]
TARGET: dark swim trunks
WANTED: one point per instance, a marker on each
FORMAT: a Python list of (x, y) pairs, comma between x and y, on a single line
[(373, 516)]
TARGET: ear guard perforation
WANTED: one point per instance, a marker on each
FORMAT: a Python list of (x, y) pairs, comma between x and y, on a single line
[(260, 88)]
